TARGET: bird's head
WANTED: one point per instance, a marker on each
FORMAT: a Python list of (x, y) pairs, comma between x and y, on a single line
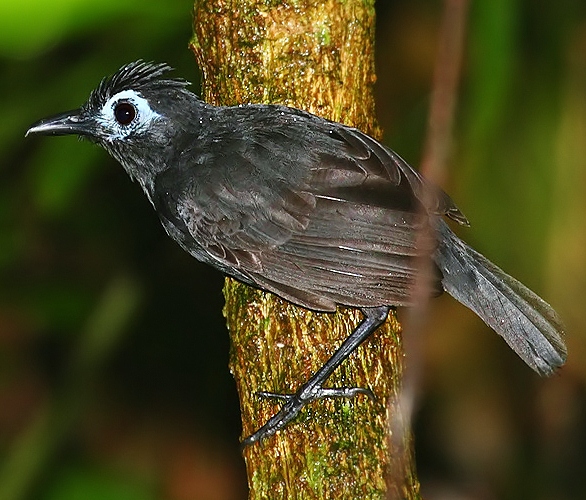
[(134, 114)]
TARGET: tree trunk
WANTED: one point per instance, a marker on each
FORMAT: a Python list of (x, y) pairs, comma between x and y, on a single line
[(316, 56)]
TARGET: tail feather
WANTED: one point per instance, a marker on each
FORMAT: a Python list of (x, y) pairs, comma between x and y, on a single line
[(527, 323)]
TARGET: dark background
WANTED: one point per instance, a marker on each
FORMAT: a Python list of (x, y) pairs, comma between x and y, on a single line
[(113, 353)]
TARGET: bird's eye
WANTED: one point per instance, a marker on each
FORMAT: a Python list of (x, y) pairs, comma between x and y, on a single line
[(124, 112)]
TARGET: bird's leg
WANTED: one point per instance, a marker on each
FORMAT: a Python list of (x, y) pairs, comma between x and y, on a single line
[(312, 389)]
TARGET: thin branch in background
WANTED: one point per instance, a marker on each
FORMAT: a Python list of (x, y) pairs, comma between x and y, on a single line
[(433, 167), (445, 90)]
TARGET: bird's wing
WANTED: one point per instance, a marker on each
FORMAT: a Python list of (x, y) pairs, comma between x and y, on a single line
[(316, 212)]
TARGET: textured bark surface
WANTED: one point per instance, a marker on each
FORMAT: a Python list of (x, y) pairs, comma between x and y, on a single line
[(316, 56)]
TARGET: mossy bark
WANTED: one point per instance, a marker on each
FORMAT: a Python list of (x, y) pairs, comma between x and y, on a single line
[(316, 56)]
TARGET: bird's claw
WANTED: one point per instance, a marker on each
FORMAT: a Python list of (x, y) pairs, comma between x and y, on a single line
[(293, 405)]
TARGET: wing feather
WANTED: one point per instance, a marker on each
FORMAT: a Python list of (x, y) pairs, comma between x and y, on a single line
[(314, 211)]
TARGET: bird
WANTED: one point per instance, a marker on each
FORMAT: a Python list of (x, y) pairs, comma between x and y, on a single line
[(314, 211)]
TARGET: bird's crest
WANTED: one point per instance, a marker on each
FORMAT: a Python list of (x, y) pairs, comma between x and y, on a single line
[(136, 75)]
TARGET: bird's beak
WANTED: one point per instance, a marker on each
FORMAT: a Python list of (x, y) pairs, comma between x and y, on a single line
[(70, 122)]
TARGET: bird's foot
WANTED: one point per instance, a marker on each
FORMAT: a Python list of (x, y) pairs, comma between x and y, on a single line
[(313, 389), (293, 403)]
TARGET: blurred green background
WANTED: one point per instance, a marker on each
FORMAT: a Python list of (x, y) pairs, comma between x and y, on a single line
[(113, 354)]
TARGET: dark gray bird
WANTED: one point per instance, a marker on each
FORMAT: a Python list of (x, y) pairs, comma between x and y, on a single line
[(311, 210)]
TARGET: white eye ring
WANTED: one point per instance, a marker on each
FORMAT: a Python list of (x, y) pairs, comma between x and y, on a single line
[(126, 112)]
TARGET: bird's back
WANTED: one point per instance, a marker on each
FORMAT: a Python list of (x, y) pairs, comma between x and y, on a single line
[(314, 211)]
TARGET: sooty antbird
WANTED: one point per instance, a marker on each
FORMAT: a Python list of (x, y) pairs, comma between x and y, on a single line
[(309, 209)]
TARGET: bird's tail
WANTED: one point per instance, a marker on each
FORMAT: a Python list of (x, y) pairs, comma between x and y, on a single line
[(527, 323)]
